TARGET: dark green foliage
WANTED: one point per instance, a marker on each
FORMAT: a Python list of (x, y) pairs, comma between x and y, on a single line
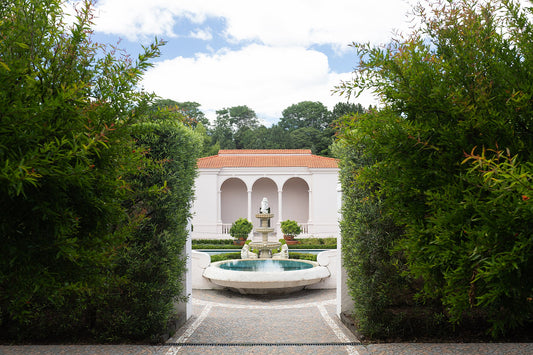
[(152, 263), (241, 228), (289, 227), (368, 235), (226, 256), (458, 86), (215, 246), (90, 229), (321, 243), (64, 150), (306, 125), (305, 114), (305, 243), (211, 241), (302, 256), (231, 256)]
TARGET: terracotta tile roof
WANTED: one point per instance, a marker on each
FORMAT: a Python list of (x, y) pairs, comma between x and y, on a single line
[(264, 151), (243, 158)]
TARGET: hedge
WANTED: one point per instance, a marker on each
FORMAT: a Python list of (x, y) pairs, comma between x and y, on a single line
[(438, 181), (152, 262), (96, 201)]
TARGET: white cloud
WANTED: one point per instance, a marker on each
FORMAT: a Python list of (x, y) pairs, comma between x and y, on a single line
[(204, 35), (133, 19), (275, 22), (267, 79), (307, 22)]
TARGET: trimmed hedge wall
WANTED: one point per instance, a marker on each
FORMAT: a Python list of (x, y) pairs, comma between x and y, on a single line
[(95, 202), (152, 262)]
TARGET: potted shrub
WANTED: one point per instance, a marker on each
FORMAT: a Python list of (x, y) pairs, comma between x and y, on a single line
[(240, 230), (290, 229)]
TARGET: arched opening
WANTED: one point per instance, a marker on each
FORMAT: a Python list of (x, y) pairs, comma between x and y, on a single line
[(234, 201), (295, 204), (264, 187)]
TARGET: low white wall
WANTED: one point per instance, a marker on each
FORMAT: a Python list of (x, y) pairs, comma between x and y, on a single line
[(329, 259), (200, 261)]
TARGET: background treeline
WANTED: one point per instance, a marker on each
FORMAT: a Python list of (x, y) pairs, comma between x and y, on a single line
[(95, 185), (438, 184), (305, 125)]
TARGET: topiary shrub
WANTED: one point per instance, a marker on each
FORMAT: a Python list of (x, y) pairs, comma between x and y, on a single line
[(290, 228), (240, 229)]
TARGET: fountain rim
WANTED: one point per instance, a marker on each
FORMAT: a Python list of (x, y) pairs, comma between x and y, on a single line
[(265, 279)]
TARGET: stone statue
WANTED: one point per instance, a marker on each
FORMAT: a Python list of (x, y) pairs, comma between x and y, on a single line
[(284, 254), (264, 205), (246, 253)]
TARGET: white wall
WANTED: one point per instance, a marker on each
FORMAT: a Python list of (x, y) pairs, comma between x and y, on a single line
[(199, 262), (329, 259), (204, 209), (324, 204)]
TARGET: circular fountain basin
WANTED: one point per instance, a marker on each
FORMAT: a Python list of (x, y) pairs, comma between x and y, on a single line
[(265, 276)]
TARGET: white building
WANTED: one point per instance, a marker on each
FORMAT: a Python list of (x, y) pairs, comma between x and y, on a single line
[(298, 185)]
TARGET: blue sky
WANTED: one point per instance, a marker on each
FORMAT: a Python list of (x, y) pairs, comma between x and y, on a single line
[(267, 55)]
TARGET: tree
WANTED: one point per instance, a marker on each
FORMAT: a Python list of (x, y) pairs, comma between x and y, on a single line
[(305, 114), (207, 148), (305, 138), (232, 123), (192, 110), (458, 83), (222, 132), (189, 111), (278, 138), (346, 108), (238, 117)]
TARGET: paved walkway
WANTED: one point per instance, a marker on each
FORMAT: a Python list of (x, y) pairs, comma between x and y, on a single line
[(302, 323)]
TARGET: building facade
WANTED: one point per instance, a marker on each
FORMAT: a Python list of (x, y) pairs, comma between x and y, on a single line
[(299, 186)]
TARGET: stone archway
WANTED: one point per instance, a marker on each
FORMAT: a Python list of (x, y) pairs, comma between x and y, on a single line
[(264, 187), (295, 204), (234, 200)]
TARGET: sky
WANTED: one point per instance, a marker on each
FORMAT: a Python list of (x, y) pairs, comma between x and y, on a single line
[(267, 55)]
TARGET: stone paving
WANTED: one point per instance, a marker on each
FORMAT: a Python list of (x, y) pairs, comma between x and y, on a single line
[(302, 323)]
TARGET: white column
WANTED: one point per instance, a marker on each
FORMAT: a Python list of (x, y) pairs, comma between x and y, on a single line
[(311, 204), (345, 302), (219, 207), (250, 205), (280, 213)]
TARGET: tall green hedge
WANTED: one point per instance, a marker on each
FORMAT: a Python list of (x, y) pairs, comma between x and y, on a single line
[(368, 235), (93, 209), (448, 158), (152, 262)]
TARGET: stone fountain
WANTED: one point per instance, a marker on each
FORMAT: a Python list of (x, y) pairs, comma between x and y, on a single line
[(268, 274), (264, 246)]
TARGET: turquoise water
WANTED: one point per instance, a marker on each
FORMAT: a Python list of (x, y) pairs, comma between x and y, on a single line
[(265, 265)]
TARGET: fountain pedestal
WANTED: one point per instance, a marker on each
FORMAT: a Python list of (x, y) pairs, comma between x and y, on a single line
[(264, 246)]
